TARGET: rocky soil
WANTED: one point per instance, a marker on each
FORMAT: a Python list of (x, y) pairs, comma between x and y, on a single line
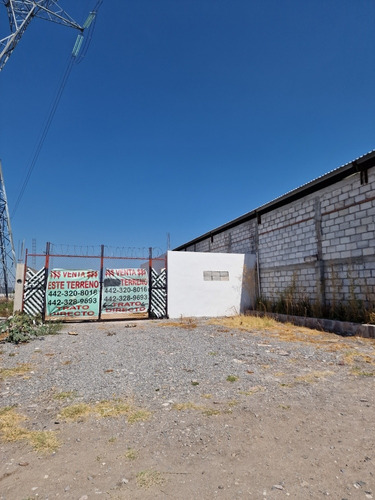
[(220, 410)]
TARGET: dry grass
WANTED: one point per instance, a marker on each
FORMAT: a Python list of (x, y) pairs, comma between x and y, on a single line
[(13, 372), (246, 322), (139, 415), (211, 412), (6, 307), (148, 478), (187, 323), (357, 361), (112, 409), (187, 406), (311, 377), (131, 454), (44, 441), (65, 395), (11, 431), (205, 410), (206, 396), (118, 407), (105, 409), (75, 413), (359, 372), (352, 356), (285, 331), (284, 407), (252, 390)]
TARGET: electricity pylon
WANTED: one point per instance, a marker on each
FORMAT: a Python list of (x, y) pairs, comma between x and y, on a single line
[(21, 12), (7, 253)]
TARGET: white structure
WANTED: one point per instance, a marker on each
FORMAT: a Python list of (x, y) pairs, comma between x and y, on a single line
[(207, 284)]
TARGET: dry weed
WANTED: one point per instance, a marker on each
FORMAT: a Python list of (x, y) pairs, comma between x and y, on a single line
[(65, 395), (44, 441), (187, 323), (106, 409), (211, 412), (285, 331), (352, 356), (313, 376), (252, 390), (148, 478), (131, 454), (206, 396), (205, 410), (358, 372), (187, 406), (74, 413), (13, 372), (11, 431)]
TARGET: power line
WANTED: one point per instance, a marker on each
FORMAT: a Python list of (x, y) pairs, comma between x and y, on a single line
[(83, 43), (44, 132)]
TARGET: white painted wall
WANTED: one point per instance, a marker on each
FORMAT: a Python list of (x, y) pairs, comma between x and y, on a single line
[(189, 295)]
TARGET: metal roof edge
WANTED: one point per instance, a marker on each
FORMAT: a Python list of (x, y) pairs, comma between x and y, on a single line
[(361, 163)]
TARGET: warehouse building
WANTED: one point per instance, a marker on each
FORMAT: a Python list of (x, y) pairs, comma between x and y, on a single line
[(315, 243)]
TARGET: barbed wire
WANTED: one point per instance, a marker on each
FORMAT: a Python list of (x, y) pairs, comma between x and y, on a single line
[(109, 251)]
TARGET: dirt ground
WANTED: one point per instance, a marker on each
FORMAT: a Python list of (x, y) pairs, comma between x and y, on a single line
[(301, 427)]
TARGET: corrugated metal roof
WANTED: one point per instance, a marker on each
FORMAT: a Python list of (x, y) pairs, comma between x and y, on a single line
[(323, 176), (318, 183)]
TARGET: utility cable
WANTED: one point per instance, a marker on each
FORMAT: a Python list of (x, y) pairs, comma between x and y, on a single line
[(89, 24), (44, 133)]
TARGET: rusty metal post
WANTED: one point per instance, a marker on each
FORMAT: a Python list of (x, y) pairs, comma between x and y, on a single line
[(46, 269), (24, 281)]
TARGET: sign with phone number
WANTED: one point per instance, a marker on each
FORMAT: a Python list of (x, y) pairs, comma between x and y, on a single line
[(125, 291), (72, 294)]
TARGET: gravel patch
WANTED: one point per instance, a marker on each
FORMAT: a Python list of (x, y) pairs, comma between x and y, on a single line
[(154, 362), (232, 413)]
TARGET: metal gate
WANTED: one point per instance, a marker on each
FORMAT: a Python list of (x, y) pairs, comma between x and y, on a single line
[(100, 288)]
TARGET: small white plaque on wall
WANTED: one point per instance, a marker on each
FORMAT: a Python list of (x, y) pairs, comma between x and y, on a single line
[(216, 275)]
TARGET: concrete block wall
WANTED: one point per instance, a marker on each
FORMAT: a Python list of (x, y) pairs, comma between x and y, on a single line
[(348, 281), (348, 240), (239, 239), (325, 242)]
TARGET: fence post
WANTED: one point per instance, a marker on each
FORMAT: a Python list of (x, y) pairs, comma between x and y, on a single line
[(46, 269), (24, 281), (101, 281), (149, 280)]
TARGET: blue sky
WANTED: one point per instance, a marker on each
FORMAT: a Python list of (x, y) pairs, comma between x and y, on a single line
[(183, 115)]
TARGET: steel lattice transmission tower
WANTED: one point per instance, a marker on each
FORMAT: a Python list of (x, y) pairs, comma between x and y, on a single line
[(7, 253), (21, 12)]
